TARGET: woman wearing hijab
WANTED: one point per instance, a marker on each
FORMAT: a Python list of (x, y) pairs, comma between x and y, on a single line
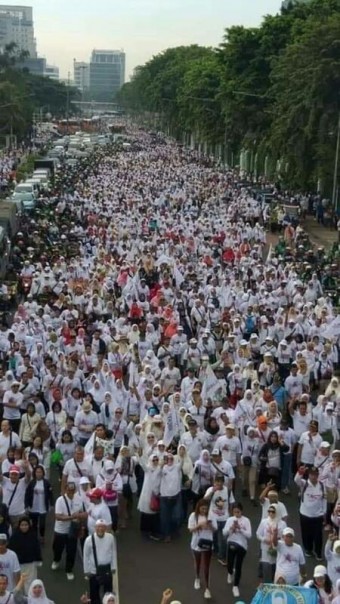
[(149, 519), (203, 475), (56, 420), (270, 457), (183, 458), (37, 594), (267, 529), (170, 489), (25, 543), (126, 466)]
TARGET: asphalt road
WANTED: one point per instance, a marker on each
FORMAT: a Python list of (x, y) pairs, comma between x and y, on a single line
[(146, 567)]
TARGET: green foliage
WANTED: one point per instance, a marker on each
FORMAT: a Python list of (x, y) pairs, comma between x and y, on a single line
[(273, 90), (22, 93)]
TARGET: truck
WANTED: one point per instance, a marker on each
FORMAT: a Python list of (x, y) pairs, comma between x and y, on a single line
[(50, 163), (9, 218)]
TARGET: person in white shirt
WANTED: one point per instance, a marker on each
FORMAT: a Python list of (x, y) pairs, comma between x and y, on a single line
[(332, 555), (96, 510), (265, 533), (230, 446), (202, 530), (100, 561), (8, 438), (13, 488), (309, 442), (194, 440), (9, 563), (238, 531), (12, 403), (69, 513), (85, 421), (290, 561), (313, 508), (170, 489), (220, 498), (75, 468)]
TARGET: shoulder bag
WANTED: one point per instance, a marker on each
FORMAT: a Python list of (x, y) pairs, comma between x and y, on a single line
[(103, 571)]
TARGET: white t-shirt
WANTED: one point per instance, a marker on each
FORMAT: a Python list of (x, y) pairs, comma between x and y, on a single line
[(9, 564), (310, 445), (230, 448), (202, 533), (75, 505), (12, 412), (288, 562), (219, 503), (38, 505), (11, 440), (17, 507), (71, 470)]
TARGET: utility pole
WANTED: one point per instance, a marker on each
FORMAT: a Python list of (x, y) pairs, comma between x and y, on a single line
[(68, 101), (336, 167)]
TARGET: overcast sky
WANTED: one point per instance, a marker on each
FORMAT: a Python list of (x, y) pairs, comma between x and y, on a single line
[(68, 29)]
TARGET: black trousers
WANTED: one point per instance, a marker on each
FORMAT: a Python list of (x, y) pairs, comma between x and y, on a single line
[(15, 425), (61, 542), (311, 534), (38, 520), (235, 557), (95, 588)]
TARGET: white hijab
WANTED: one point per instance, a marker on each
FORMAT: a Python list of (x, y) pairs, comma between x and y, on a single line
[(31, 599)]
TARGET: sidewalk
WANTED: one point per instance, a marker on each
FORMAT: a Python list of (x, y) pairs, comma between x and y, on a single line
[(320, 235)]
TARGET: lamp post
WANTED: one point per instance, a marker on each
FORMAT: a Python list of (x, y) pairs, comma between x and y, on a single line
[(336, 166)]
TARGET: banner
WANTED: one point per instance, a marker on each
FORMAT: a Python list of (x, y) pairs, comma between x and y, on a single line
[(285, 594)]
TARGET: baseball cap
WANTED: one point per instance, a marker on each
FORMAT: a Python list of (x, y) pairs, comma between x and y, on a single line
[(320, 571), (84, 480), (288, 531), (3, 537), (100, 522), (325, 445), (14, 470), (215, 452), (95, 494)]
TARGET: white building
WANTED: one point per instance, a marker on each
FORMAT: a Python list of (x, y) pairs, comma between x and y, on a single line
[(16, 25), (81, 75), (51, 71)]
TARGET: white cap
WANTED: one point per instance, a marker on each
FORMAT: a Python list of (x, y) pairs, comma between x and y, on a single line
[(288, 531), (84, 480), (320, 571), (101, 522)]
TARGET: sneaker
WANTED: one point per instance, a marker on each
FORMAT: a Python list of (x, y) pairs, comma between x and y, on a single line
[(220, 561), (308, 554), (230, 579), (54, 565), (286, 491), (197, 584), (70, 576), (207, 594), (236, 592), (318, 559)]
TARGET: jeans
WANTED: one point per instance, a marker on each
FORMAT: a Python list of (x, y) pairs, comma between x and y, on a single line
[(286, 470), (169, 515), (61, 542), (236, 554)]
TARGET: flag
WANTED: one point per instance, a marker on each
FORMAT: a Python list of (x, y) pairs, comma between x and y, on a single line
[(285, 594)]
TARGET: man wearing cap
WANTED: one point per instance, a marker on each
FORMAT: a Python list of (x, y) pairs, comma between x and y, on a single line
[(69, 512), (13, 487), (97, 510), (230, 447), (290, 562), (309, 442), (100, 561)]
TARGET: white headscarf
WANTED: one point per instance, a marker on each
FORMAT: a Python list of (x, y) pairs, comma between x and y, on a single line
[(31, 599)]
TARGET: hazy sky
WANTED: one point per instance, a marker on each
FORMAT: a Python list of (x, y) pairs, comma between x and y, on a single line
[(68, 29)]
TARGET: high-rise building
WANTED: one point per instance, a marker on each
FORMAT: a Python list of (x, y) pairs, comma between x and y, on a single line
[(81, 75), (16, 25), (107, 74)]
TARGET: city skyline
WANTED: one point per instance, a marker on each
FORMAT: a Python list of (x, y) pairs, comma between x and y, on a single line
[(141, 28)]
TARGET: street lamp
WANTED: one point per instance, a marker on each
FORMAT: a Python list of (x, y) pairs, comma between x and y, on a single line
[(336, 165)]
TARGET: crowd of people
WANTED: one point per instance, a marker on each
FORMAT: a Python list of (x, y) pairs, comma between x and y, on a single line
[(173, 365)]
